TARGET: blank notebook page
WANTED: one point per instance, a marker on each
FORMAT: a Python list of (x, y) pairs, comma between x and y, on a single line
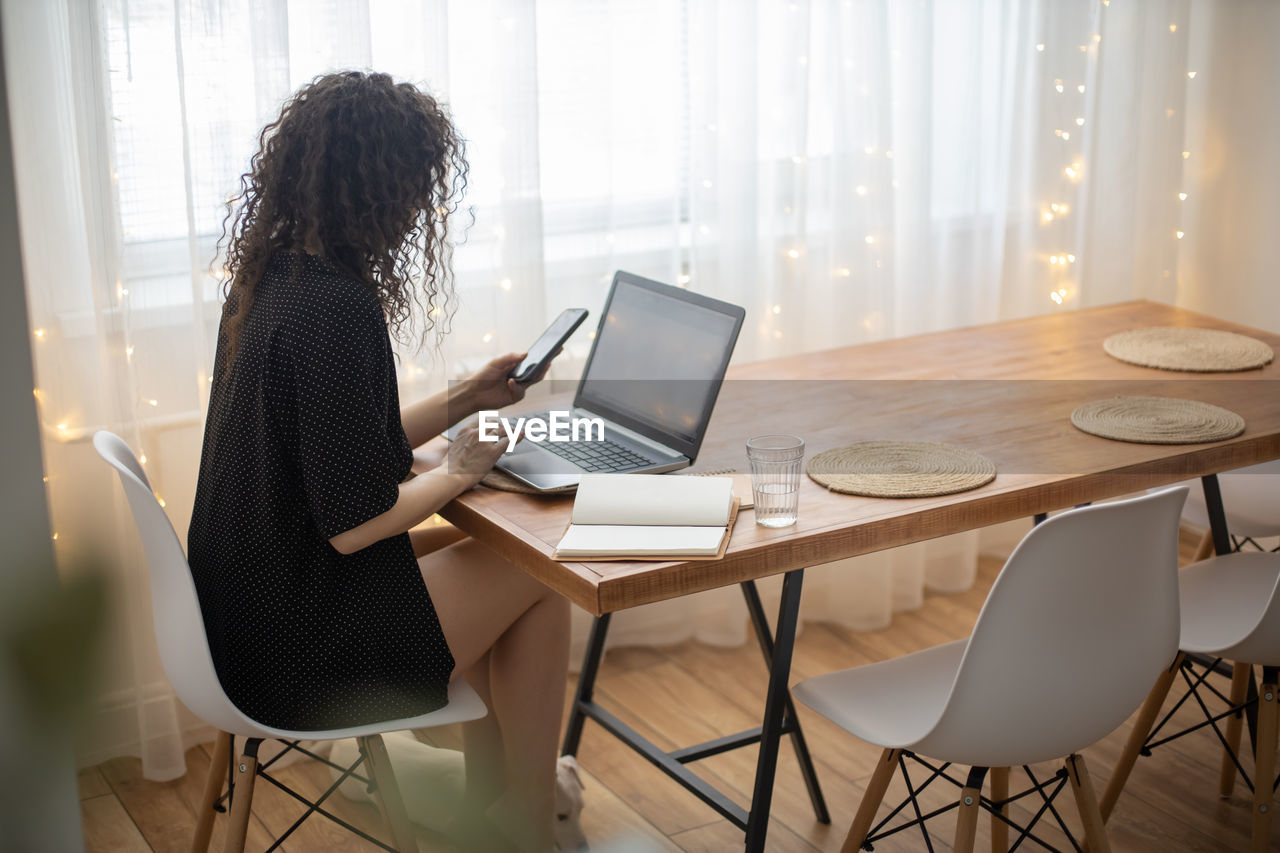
[(653, 499)]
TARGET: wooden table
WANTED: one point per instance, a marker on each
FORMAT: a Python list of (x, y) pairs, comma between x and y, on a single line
[(1005, 390)]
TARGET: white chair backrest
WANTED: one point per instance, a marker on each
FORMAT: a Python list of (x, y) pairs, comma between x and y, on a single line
[(1077, 627), (179, 623)]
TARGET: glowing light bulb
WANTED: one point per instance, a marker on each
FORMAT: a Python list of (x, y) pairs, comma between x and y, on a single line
[(1191, 75), (1047, 216), (143, 459), (684, 278), (1097, 38), (55, 535), (1080, 88), (1040, 48), (706, 185), (505, 284), (488, 336), (1055, 296), (153, 402), (1079, 121), (869, 239), (777, 309), (1173, 28), (1071, 258), (1179, 233), (1186, 155), (793, 253), (860, 189), (869, 150), (844, 272), (39, 333), (1182, 196), (62, 427), (1057, 84)]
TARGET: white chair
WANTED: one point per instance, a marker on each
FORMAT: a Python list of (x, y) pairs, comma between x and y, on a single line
[(1230, 611), (184, 651), (1026, 686), (1251, 501)]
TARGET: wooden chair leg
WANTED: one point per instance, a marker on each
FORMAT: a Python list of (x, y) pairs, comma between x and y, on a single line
[(967, 819), (1095, 832), (871, 801), (246, 771), (1264, 774), (1137, 737), (1239, 687), (999, 791), (1205, 549), (212, 790), (388, 794)]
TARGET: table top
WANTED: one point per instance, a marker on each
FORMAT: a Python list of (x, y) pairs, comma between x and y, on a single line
[(1005, 390)]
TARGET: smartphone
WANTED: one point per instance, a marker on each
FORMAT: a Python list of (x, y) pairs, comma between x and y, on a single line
[(546, 346)]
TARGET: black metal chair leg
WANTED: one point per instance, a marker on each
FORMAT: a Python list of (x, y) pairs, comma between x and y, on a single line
[(586, 684), (807, 770), (774, 710)]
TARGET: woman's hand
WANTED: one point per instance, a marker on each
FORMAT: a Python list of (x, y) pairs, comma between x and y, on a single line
[(492, 388), (470, 458)]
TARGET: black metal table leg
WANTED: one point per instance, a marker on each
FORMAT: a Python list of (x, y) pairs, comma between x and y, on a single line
[(774, 707), (807, 771), (586, 685), (1217, 515)]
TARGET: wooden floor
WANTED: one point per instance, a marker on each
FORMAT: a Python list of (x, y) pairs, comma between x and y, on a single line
[(690, 693)]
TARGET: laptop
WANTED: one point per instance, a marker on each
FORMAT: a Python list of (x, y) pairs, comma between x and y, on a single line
[(651, 380)]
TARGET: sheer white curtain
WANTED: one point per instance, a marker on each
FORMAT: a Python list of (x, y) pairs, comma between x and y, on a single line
[(848, 170)]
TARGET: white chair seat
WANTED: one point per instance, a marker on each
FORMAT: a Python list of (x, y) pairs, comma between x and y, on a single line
[(1251, 497), (464, 704), (1225, 603), (893, 703)]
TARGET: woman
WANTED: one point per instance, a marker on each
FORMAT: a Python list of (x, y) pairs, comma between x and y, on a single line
[(323, 609)]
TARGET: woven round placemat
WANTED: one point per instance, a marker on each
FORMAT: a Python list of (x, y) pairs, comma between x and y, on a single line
[(1157, 420), (504, 482), (1191, 350), (900, 469)]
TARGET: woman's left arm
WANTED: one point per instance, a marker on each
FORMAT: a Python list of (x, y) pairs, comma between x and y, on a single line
[(490, 388)]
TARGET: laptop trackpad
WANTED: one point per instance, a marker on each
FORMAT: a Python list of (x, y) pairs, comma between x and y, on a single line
[(539, 467)]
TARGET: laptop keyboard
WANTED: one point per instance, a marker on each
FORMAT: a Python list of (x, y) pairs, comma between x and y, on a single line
[(597, 455)]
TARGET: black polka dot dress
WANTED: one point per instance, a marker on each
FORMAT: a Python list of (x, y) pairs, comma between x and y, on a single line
[(303, 441)]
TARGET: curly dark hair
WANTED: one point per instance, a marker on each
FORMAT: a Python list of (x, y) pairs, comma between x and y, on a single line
[(364, 173)]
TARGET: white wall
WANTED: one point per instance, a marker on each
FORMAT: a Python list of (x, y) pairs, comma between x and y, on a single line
[(1228, 263)]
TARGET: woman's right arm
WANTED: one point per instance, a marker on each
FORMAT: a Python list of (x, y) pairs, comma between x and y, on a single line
[(420, 497)]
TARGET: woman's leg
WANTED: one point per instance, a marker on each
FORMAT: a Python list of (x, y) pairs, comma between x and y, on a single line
[(428, 537), (488, 608), (482, 740)]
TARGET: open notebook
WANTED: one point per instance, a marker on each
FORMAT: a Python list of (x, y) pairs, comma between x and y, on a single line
[(649, 516)]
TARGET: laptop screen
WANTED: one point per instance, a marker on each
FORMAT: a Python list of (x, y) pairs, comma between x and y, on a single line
[(658, 359)]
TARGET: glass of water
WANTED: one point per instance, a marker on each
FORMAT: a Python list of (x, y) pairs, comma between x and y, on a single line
[(775, 478)]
